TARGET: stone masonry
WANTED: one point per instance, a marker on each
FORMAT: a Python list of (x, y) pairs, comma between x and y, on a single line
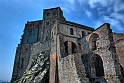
[(54, 50)]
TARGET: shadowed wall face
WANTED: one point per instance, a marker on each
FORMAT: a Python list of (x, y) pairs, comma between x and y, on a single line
[(99, 67)]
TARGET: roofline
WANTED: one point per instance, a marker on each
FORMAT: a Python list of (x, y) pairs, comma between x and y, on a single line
[(53, 8), (102, 25), (34, 21)]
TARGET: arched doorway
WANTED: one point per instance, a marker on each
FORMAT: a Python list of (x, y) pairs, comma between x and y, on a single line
[(97, 69)]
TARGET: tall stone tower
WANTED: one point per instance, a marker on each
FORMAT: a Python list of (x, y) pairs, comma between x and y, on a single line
[(50, 16)]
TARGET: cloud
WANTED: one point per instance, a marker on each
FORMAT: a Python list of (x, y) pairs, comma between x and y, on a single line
[(70, 4), (118, 6), (98, 12), (108, 11), (118, 16), (94, 3), (71, 1), (114, 22), (88, 13)]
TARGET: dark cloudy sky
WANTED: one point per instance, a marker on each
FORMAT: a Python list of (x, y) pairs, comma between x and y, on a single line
[(15, 13)]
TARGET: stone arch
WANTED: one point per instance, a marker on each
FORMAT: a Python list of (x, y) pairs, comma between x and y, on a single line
[(74, 48), (97, 68), (70, 47), (72, 40), (94, 41)]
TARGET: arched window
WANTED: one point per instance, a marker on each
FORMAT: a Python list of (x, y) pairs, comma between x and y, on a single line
[(71, 31), (83, 33), (95, 42)]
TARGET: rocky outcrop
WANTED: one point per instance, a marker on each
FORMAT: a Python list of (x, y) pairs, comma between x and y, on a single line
[(37, 70)]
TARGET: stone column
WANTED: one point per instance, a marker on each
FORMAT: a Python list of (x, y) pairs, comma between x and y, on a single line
[(53, 54), (69, 47)]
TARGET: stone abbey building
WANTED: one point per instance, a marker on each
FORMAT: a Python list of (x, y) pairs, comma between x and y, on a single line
[(54, 50)]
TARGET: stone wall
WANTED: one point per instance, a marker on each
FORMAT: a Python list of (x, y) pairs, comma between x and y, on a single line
[(30, 35), (39, 47), (72, 70), (31, 32), (50, 16), (105, 48), (119, 43), (77, 30), (22, 53), (51, 36)]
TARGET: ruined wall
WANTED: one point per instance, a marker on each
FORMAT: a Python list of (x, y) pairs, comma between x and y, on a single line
[(29, 36), (119, 43), (70, 67), (39, 47), (72, 70), (25, 55), (104, 48)]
